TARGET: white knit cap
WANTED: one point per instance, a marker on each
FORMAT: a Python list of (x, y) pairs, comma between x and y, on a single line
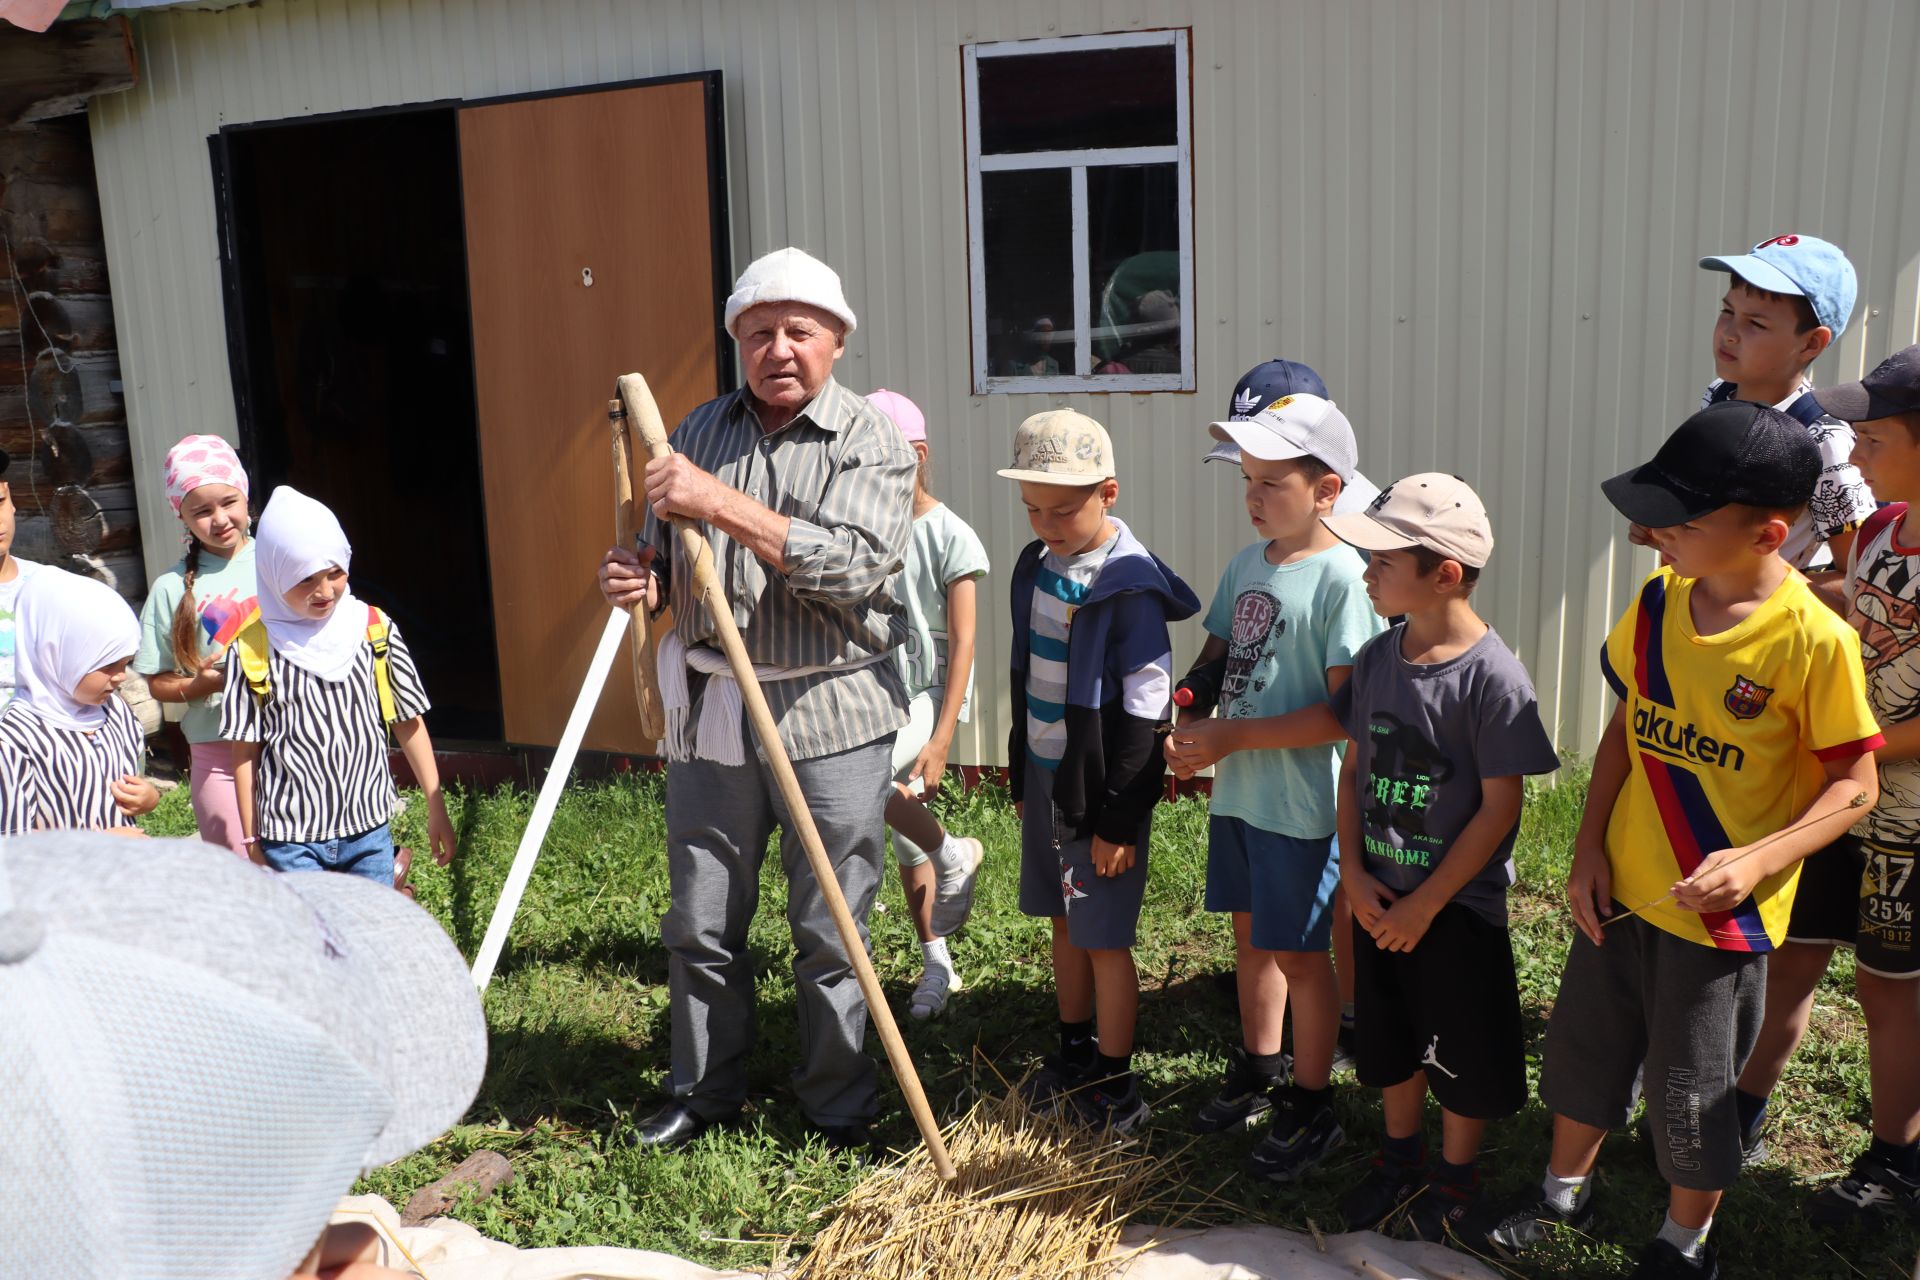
[(789, 275), (202, 1055)]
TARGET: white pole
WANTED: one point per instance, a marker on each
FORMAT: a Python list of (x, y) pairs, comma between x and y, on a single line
[(536, 833)]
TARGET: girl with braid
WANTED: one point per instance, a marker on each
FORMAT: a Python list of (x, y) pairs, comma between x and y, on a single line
[(192, 614)]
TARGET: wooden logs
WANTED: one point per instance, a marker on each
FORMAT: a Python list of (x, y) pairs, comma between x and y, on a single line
[(62, 417)]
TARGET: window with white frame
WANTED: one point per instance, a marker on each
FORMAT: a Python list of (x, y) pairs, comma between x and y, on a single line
[(1079, 213)]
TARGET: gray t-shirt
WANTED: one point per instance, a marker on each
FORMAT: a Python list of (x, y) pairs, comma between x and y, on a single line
[(1425, 737)]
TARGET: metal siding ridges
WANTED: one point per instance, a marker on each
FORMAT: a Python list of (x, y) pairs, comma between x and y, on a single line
[(1491, 169)]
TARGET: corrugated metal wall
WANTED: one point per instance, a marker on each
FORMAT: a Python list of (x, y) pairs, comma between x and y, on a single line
[(1477, 218)]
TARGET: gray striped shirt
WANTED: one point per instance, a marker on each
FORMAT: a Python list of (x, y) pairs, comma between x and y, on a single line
[(842, 473)]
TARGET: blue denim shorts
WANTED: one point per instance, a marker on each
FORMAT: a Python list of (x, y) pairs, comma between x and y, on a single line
[(369, 854), (1285, 884)]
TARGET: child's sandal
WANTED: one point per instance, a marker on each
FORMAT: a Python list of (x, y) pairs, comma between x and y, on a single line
[(402, 868)]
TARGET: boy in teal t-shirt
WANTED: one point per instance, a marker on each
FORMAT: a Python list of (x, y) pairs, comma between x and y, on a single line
[(1289, 616)]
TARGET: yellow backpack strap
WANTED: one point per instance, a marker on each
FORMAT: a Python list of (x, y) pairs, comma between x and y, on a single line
[(382, 672), (250, 645)]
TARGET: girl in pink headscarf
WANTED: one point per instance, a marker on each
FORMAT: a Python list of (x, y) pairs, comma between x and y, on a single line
[(192, 613)]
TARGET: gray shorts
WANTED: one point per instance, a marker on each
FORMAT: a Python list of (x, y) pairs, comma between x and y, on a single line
[(1057, 876), (1690, 1012)]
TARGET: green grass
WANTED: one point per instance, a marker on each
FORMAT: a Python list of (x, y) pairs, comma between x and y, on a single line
[(579, 1022)]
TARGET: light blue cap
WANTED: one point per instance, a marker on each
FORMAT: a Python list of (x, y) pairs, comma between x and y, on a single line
[(1801, 266)]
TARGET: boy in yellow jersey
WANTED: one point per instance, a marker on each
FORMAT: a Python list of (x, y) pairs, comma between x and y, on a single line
[(1742, 743)]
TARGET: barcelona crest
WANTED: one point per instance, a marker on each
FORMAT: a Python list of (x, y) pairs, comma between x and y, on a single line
[(1747, 699)]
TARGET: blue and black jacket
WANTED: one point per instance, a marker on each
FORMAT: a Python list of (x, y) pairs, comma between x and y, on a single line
[(1109, 777)]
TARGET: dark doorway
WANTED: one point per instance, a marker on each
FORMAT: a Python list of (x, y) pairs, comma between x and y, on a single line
[(352, 354)]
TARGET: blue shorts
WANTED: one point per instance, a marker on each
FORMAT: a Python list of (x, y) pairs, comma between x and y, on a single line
[(1285, 884), (369, 854), (1057, 877)]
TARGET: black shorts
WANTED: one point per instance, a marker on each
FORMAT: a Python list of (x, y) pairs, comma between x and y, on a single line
[(1864, 895), (1689, 1012), (1450, 1006)]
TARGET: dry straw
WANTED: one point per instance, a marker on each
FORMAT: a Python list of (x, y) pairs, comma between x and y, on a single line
[(1037, 1198)]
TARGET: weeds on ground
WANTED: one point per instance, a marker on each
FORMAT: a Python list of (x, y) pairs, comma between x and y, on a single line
[(579, 1018)]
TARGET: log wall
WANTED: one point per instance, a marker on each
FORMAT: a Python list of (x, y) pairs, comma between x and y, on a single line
[(63, 419)]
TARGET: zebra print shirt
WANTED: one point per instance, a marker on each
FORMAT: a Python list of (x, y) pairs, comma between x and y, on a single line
[(323, 771), (55, 778)]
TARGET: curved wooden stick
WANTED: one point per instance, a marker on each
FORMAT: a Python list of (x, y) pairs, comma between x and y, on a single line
[(646, 675), (644, 417)]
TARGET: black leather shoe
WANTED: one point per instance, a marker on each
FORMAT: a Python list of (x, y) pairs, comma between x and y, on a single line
[(674, 1124)]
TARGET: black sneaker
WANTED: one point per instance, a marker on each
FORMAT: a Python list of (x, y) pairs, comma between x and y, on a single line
[(1056, 1078), (1661, 1261), (1443, 1207), (1343, 1057), (1099, 1106), (1870, 1187), (1517, 1229), (1386, 1190), (1242, 1098), (1301, 1137)]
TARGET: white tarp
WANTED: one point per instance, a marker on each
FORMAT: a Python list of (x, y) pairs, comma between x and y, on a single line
[(444, 1249)]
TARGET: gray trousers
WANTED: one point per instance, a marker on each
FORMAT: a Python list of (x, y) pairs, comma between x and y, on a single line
[(719, 818)]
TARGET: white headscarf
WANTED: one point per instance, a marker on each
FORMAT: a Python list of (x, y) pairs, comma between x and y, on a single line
[(65, 627), (297, 538)]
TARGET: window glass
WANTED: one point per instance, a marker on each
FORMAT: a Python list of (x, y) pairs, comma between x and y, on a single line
[(1027, 228), (1078, 100), (1133, 240)]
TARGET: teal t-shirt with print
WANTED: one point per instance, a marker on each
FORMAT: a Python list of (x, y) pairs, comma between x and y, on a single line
[(1284, 625), (224, 595)]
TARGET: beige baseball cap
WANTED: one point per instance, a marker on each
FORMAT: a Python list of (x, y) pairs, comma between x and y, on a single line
[(1061, 446), (1432, 510)]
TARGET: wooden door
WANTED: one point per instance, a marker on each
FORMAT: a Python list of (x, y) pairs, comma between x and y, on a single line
[(590, 253)]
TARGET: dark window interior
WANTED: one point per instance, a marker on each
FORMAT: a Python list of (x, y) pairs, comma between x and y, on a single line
[(354, 373), (1075, 100), (1027, 235)]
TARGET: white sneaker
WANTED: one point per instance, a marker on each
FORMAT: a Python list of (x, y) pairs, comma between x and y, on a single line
[(930, 997), (953, 897)]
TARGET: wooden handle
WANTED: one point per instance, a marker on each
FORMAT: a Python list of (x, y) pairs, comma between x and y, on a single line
[(644, 416), (646, 675)]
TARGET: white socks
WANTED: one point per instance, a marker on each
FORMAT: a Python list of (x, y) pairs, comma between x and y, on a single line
[(1690, 1241), (948, 855), (934, 955), (1566, 1194)]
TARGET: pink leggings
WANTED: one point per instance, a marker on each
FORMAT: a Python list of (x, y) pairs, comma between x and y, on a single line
[(216, 803)]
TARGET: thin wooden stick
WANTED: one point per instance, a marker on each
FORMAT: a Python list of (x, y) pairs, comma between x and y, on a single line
[(1752, 849), (644, 417), (646, 675)]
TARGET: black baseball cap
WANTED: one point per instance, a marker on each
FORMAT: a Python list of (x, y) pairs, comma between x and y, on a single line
[(1893, 387), (5, 461), (1734, 451)]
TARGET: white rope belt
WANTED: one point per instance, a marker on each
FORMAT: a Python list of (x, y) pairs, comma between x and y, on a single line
[(717, 735)]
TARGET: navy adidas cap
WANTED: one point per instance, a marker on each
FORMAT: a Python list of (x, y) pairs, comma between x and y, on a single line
[(1259, 387)]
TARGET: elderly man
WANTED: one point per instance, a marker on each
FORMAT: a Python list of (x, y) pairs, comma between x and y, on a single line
[(805, 492)]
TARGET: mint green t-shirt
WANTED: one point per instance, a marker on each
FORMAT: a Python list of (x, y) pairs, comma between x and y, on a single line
[(224, 594), (944, 550), (9, 593), (1285, 625)]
